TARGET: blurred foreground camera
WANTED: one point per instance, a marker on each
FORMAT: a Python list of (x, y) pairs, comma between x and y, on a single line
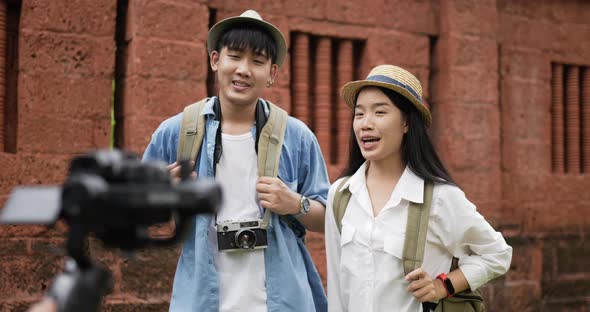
[(116, 196)]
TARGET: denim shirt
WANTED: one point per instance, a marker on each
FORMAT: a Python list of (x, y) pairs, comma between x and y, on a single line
[(292, 280)]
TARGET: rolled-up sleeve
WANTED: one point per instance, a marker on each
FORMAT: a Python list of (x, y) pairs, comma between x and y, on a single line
[(482, 251), (312, 174)]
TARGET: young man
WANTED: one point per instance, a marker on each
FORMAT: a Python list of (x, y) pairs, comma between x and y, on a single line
[(245, 54)]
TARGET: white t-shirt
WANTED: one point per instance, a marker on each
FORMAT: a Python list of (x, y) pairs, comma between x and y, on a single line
[(241, 274), (365, 270)]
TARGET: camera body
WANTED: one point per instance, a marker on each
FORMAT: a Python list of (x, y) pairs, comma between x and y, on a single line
[(116, 196), (241, 235)]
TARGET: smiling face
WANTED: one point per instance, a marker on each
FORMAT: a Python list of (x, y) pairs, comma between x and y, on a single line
[(379, 126), (242, 74)]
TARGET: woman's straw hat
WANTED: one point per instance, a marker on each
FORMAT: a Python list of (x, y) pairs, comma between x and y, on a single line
[(250, 17), (393, 78)]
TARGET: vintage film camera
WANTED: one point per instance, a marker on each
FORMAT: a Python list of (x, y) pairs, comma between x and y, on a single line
[(116, 197), (241, 235)]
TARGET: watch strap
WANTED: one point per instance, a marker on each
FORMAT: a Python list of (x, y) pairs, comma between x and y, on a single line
[(447, 283)]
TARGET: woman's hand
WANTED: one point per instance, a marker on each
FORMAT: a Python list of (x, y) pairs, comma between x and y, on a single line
[(423, 288)]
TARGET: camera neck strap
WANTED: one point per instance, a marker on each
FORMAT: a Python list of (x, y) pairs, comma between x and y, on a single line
[(260, 118), (270, 132)]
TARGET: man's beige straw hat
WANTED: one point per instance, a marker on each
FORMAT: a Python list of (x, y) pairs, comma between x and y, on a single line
[(251, 17)]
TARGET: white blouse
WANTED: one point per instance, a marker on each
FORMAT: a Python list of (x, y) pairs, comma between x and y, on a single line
[(365, 271)]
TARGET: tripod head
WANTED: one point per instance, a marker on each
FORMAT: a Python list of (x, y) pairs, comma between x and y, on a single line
[(115, 196)]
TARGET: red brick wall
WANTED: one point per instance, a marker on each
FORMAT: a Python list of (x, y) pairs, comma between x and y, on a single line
[(486, 69), (547, 212)]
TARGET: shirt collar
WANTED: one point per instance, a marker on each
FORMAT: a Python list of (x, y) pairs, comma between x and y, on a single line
[(409, 187), (208, 109), (357, 180)]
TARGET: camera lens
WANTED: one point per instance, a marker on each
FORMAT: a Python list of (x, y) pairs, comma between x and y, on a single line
[(245, 239)]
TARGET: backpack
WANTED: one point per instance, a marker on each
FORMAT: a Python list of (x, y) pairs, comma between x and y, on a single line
[(414, 245), (270, 142)]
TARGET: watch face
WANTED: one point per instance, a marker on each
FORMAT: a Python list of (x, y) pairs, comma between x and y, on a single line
[(305, 205)]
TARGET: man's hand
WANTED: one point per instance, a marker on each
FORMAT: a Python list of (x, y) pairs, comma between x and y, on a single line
[(276, 196), (423, 288), (45, 305), (175, 172)]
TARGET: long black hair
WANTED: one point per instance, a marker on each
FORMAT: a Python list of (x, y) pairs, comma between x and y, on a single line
[(417, 150)]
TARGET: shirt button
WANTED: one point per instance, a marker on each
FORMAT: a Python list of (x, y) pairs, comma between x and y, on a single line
[(208, 144)]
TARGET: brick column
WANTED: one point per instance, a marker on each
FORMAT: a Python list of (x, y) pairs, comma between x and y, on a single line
[(164, 65), (344, 114), (2, 70), (557, 119), (572, 120), (322, 123), (301, 78), (63, 49), (465, 102), (585, 85)]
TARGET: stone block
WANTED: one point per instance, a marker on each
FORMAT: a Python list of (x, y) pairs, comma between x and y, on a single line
[(67, 136), (473, 17), (468, 85), (158, 97), (138, 131), (315, 245), (165, 59), (31, 169), (526, 108), (527, 260), (60, 54), (393, 47), (467, 52), (132, 304), (402, 15), (28, 267), (154, 264), (169, 20), (525, 64), (81, 16), (66, 97)]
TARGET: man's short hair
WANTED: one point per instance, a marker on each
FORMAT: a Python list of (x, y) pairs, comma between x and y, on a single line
[(250, 37)]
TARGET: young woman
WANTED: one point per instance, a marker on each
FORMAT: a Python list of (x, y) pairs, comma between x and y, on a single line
[(391, 159)]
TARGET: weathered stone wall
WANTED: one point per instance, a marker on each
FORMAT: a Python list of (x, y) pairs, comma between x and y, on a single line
[(493, 73)]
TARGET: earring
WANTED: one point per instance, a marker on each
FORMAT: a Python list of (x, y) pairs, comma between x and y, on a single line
[(269, 83)]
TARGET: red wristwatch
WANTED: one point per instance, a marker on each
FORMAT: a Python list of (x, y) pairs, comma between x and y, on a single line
[(447, 283)]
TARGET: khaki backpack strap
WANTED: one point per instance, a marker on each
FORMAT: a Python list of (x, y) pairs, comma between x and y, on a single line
[(270, 143), (416, 230), (340, 202), (191, 132)]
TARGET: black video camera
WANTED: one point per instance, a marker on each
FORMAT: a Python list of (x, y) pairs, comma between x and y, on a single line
[(116, 196)]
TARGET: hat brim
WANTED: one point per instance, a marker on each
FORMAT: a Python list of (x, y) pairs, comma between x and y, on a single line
[(350, 91), (222, 26)]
